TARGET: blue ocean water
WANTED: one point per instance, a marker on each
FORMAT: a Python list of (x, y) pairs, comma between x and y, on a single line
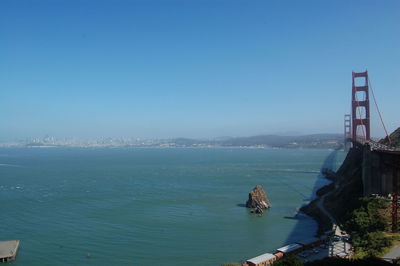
[(153, 206)]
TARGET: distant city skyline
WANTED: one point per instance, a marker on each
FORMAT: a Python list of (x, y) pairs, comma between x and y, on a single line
[(196, 69), (317, 141)]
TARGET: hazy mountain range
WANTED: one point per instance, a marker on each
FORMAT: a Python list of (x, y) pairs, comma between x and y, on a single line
[(260, 141), (272, 141)]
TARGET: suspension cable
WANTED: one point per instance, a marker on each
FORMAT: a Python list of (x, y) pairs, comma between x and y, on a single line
[(379, 112)]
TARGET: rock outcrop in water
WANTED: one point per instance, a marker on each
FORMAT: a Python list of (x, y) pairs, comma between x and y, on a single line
[(258, 200)]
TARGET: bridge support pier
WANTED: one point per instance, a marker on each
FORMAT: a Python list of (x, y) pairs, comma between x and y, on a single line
[(395, 198)]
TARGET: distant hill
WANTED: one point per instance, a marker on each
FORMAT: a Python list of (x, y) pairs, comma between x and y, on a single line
[(188, 142), (270, 141), (305, 141)]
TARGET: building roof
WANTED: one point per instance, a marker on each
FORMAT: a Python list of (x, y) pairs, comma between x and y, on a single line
[(308, 241), (289, 248), (262, 258), (8, 248)]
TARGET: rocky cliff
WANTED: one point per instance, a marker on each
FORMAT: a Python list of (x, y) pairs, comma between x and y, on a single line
[(348, 185), (342, 194), (361, 174), (258, 200)]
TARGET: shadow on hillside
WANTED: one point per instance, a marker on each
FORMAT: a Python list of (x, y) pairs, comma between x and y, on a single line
[(304, 224)]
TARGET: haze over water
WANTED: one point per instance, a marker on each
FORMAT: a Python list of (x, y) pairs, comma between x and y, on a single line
[(109, 70), (152, 206)]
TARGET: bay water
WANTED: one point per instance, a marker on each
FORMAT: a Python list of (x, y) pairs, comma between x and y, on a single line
[(154, 206)]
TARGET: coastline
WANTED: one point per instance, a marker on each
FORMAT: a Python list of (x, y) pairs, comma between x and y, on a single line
[(313, 209), (328, 239)]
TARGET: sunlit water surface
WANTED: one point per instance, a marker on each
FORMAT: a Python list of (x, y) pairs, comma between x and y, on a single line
[(152, 206)]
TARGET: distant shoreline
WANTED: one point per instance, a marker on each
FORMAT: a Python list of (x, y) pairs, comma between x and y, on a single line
[(165, 147), (315, 141)]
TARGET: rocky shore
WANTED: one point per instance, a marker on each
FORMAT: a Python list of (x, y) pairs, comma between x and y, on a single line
[(339, 196), (313, 209)]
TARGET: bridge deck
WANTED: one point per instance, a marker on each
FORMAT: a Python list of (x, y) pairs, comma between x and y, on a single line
[(376, 146)]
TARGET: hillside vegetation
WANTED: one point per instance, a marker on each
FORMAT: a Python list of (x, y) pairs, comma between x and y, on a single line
[(367, 225)]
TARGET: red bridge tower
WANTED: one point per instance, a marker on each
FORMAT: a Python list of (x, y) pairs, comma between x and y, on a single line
[(347, 132), (360, 106)]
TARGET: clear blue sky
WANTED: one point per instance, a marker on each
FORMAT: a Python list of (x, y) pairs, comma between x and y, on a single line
[(156, 69)]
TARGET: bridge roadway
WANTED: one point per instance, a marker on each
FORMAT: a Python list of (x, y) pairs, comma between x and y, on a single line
[(376, 146)]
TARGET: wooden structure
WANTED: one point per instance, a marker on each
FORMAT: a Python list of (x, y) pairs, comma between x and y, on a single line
[(8, 250)]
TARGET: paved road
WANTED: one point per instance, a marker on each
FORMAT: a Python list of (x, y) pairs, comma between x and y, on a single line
[(321, 206), (334, 248), (394, 253)]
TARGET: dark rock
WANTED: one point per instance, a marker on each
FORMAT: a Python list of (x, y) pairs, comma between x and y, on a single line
[(258, 200), (312, 209), (257, 210), (328, 174), (325, 189)]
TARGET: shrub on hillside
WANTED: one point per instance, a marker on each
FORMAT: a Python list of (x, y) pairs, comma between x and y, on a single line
[(366, 226)]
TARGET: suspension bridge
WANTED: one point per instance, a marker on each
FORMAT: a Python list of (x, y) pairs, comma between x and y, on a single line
[(380, 161), (357, 126)]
